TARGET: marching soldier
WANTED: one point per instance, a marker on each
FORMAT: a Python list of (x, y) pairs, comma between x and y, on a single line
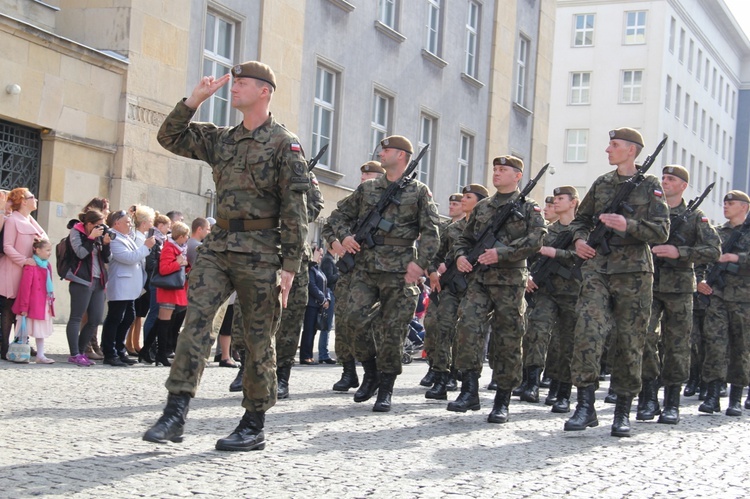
[(549, 213)]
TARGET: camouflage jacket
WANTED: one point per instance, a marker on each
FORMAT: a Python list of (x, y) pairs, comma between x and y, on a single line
[(648, 224), (518, 239), (697, 242), (448, 237), (566, 258), (258, 174), (737, 286), (314, 207), (416, 218)]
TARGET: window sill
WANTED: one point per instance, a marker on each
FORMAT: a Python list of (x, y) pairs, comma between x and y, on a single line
[(327, 176), (471, 80), (343, 5), (437, 61), (522, 109), (390, 32)]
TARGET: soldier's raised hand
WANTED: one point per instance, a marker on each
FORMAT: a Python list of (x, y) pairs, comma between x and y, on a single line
[(205, 89)]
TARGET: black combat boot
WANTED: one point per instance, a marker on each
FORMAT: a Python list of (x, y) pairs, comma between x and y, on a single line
[(385, 392), (562, 403), (429, 378), (172, 422), (671, 412), (546, 381), (693, 381), (723, 390), (747, 400), (611, 397), (282, 388), (469, 396), (531, 393), (554, 387), (499, 413), (348, 379), (493, 386), (711, 403), (439, 390), (585, 414), (735, 400), (370, 381), (648, 401), (247, 436), (621, 423), (236, 385), (451, 385), (517, 391)]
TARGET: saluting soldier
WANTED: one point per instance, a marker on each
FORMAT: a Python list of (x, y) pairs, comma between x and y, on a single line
[(496, 287), (255, 247), (387, 272), (616, 288), (691, 242)]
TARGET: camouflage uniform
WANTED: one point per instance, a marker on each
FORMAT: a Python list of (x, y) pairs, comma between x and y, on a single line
[(379, 272), (672, 310), (429, 318), (617, 288), (259, 175), (497, 288)]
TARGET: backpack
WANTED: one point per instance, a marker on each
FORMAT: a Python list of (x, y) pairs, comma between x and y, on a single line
[(63, 252)]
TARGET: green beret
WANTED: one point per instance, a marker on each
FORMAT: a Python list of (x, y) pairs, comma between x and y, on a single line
[(629, 134), (478, 190), (678, 171), (516, 163), (737, 196), (549, 200), (372, 167), (566, 189), (257, 70), (455, 197), (397, 142)]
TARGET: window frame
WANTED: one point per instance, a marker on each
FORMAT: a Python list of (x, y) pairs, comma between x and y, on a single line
[(584, 30), (522, 71), (579, 89), (465, 159), (471, 49), (424, 169), (386, 17), (221, 64), (433, 33), (578, 146), (318, 139), (636, 27), (631, 87), (378, 129)]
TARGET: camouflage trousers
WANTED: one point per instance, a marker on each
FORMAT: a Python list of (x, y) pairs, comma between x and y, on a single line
[(287, 337), (440, 328), (398, 301), (623, 300), (345, 332), (506, 335), (727, 337), (672, 314), (697, 348), (549, 334), (212, 279)]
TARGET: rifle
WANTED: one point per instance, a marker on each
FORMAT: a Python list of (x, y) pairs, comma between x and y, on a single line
[(544, 267), (715, 277), (366, 227), (599, 237), (317, 157), (454, 279)]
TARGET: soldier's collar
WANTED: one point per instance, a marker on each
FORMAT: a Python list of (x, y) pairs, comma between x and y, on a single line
[(261, 134)]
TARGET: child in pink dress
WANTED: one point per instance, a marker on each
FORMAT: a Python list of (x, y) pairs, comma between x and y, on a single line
[(35, 298)]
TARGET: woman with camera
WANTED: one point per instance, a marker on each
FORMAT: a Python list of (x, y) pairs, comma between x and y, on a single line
[(143, 219), (88, 278), (126, 279)]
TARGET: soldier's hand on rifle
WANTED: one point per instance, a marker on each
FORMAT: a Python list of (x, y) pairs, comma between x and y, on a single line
[(435, 282), (205, 89), (350, 245), (729, 258), (548, 251), (413, 273), (488, 257), (287, 278), (583, 250), (338, 248), (531, 285), (463, 264), (704, 288), (666, 251), (614, 221)]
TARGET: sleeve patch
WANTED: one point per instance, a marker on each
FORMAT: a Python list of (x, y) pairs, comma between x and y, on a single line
[(704, 219), (537, 209), (658, 193), (295, 147)]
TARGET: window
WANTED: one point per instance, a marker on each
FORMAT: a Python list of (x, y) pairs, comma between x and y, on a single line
[(703, 124), (387, 12), (674, 151), (716, 143), (731, 150), (631, 86), (580, 88), (695, 117), (734, 101), (472, 34), (692, 169), (584, 30), (218, 54), (465, 150), (686, 118), (635, 27), (427, 130), (681, 49), (672, 30), (699, 65), (710, 132), (432, 43), (721, 89), (668, 94), (577, 146), (381, 118), (691, 47), (323, 112), (724, 144), (677, 102), (713, 191), (726, 99), (683, 162), (713, 85), (521, 71), (706, 74), (700, 175)]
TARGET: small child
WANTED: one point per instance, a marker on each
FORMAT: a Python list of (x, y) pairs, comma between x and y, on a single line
[(35, 298)]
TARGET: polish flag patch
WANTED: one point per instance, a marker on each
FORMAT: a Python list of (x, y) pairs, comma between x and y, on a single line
[(537, 209), (704, 219), (658, 193), (295, 147)]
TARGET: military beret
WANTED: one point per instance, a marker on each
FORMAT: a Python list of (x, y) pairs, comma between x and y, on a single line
[(372, 167), (516, 163), (678, 171), (478, 190), (549, 200), (737, 196), (455, 197), (257, 70), (629, 134), (397, 142), (566, 189)]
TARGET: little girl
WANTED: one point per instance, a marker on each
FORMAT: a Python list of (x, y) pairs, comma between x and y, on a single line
[(35, 298)]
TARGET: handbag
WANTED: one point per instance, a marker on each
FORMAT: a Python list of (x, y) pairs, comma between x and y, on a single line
[(321, 321), (20, 351), (175, 280)]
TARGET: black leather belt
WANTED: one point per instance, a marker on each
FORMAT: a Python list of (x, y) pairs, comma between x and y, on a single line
[(246, 225)]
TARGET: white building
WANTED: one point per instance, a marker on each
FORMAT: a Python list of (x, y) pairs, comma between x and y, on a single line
[(665, 67)]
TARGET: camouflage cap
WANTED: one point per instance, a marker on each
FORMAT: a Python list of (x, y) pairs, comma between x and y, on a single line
[(372, 167), (516, 163), (737, 196), (257, 70), (478, 190), (629, 134), (455, 197), (678, 171), (566, 189), (397, 142)]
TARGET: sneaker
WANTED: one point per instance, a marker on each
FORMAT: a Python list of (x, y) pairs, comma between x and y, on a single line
[(86, 358), (44, 360), (79, 360)]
